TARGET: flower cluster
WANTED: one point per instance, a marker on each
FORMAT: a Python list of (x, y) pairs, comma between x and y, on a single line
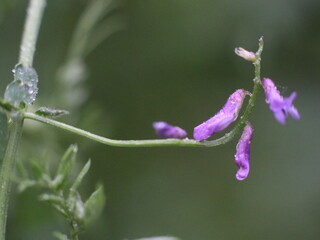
[(279, 105), (220, 121)]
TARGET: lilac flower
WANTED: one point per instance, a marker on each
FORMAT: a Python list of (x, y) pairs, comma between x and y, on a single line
[(242, 156), (166, 130), (223, 118), (279, 105)]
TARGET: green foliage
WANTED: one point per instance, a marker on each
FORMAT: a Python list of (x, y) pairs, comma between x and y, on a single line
[(60, 236), (159, 238), (62, 194), (24, 88), (94, 205), (6, 107), (3, 134)]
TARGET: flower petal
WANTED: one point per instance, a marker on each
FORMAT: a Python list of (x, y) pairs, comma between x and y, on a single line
[(166, 130), (223, 118), (242, 156), (279, 105)]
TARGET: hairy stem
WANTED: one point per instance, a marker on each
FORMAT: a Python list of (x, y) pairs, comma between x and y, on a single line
[(131, 143), (27, 49), (8, 165)]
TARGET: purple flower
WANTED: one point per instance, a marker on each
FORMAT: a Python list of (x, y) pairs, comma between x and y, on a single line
[(166, 130), (242, 156), (223, 118), (279, 105)]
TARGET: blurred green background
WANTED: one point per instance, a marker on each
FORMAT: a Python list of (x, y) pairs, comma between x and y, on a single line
[(173, 60)]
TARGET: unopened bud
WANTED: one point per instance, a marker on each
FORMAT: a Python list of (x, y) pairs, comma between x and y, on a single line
[(249, 56)]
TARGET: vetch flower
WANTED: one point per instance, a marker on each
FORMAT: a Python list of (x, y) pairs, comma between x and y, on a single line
[(242, 156), (166, 130), (279, 105), (246, 55), (223, 118)]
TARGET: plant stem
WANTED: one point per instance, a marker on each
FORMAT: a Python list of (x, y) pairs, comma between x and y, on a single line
[(256, 89), (27, 49), (131, 143), (8, 165), (31, 30)]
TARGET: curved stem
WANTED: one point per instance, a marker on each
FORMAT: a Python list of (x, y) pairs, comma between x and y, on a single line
[(131, 143), (112, 142)]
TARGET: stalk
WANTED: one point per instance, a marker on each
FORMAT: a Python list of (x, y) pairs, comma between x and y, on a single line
[(27, 49)]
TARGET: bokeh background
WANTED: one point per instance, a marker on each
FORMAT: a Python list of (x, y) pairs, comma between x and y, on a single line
[(173, 60)]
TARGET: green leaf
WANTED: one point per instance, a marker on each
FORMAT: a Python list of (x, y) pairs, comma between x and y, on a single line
[(94, 205), (46, 197), (7, 106), (159, 238), (22, 171), (50, 112), (60, 236), (3, 135), (65, 167), (24, 88), (37, 169), (60, 210), (80, 177), (76, 207), (24, 184)]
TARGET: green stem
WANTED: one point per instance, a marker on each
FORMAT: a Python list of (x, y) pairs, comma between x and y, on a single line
[(73, 232), (131, 143), (256, 89), (31, 30), (27, 49), (8, 165), (112, 142)]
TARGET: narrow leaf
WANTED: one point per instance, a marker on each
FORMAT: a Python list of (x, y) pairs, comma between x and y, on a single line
[(94, 205), (80, 177), (159, 238), (51, 112), (46, 197), (6, 106), (24, 184), (37, 169), (65, 167), (76, 207), (60, 236), (3, 135)]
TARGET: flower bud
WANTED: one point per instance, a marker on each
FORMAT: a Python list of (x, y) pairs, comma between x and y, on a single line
[(249, 56), (166, 130)]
